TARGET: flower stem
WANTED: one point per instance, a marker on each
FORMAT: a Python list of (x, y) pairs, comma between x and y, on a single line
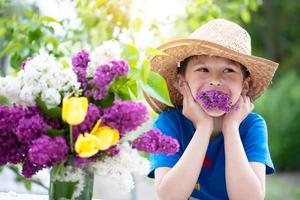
[(71, 138)]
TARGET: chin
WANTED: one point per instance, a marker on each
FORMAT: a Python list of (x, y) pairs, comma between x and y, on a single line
[(214, 112)]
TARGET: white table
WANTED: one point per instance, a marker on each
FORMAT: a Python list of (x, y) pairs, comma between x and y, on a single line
[(15, 196)]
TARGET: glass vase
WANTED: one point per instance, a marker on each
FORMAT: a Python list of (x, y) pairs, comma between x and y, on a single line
[(68, 183)]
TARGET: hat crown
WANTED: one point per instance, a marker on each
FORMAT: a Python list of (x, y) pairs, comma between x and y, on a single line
[(225, 33)]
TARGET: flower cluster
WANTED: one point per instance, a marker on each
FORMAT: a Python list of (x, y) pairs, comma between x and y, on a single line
[(120, 167), (125, 116), (22, 140), (214, 99), (41, 77), (103, 77), (153, 141), (62, 117)]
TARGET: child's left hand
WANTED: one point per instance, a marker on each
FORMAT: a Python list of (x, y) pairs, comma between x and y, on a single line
[(238, 113)]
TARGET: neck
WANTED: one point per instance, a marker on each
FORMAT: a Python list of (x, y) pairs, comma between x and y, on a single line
[(217, 130)]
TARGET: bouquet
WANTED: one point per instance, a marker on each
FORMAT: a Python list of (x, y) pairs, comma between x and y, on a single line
[(75, 120)]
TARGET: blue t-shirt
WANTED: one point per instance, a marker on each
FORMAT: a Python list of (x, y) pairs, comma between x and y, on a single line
[(211, 183)]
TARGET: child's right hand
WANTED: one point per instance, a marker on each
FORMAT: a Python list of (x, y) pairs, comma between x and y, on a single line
[(193, 111)]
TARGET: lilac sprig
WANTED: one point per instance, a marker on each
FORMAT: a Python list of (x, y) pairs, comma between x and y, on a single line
[(125, 116), (80, 63), (104, 76), (214, 100), (153, 141), (48, 151)]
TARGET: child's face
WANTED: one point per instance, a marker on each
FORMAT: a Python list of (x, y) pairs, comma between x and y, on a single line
[(205, 73)]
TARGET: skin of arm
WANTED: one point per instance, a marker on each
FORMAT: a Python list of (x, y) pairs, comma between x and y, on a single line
[(178, 182), (244, 180)]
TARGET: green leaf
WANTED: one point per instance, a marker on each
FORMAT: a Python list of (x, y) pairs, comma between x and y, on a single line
[(131, 54), (56, 132), (3, 101), (51, 40), (15, 61), (245, 15), (10, 47), (157, 88), (107, 101), (145, 70), (51, 112), (2, 32), (48, 19), (35, 35), (150, 52), (28, 184), (253, 5)]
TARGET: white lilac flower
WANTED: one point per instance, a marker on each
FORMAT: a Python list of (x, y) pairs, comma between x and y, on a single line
[(51, 96), (120, 167), (43, 77), (108, 51), (10, 88)]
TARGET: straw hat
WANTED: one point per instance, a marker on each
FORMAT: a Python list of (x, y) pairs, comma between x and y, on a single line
[(218, 37)]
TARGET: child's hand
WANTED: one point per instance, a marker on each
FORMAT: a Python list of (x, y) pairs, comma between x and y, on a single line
[(238, 113), (193, 111)]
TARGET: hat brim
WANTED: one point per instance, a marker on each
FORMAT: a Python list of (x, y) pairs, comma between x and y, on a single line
[(261, 70)]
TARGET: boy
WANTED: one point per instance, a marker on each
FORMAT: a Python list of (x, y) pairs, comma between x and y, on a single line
[(213, 80)]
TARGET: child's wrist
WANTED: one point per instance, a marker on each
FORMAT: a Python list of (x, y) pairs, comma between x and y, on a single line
[(204, 127), (230, 127)]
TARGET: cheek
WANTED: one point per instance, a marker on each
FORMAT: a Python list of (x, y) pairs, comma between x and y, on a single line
[(195, 85), (236, 93)]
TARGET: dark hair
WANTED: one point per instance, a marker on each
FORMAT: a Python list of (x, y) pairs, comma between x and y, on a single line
[(183, 65)]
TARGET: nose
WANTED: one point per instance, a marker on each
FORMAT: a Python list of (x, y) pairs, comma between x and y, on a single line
[(215, 83)]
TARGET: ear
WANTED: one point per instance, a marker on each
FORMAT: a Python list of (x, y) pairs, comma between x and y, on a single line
[(246, 86), (181, 81)]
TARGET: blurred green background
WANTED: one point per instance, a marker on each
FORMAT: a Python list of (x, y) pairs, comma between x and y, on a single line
[(28, 26)]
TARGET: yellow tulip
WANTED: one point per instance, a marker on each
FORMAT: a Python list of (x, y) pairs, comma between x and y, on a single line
[(107, 135), (87, 145), (74, 110)]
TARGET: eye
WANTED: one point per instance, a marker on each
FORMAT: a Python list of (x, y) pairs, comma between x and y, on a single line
[(228, 70), (202, 69)]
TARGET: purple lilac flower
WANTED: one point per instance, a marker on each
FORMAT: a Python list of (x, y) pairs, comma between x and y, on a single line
[(80, 63), (48, 151), (29, 169), (18, 128), (5, 123), (81, 59), (103, 77), (12, 124), (30, 128), (214, 99), (125, 116), (153, 141), (93, 115), (81, 162), (11, 149), (114, 150), (120, 67), (23, 64)]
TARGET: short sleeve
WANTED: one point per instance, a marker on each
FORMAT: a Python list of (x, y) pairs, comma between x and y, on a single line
[(166, 123), (256, 142)]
